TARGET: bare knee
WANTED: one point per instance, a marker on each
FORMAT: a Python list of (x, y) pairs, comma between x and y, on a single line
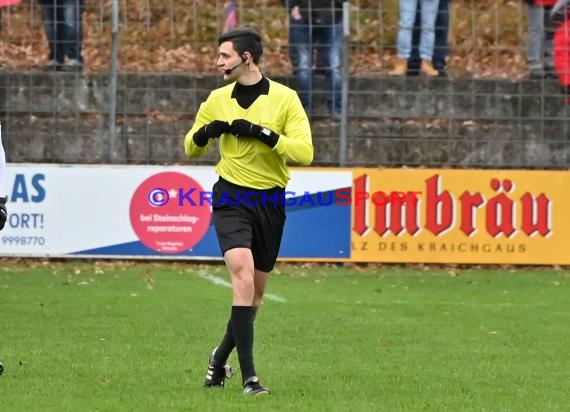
[(243, 279), (240, 264)]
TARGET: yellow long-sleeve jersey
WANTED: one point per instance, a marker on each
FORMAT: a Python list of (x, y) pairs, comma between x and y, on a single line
[(247, 161)]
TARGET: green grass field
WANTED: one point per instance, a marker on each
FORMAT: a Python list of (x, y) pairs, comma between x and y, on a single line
[(134, 336)]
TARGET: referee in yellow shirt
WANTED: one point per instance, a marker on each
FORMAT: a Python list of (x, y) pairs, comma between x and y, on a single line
[(261, 124)]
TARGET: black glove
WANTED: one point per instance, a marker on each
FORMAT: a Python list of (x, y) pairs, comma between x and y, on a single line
[(244, 128), (3, 212), (209, 131)]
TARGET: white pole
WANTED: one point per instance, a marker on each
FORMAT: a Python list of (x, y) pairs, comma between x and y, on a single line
[(345, 78), (113, 83)]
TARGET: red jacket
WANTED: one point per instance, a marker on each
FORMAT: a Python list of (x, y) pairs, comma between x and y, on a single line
[(5, 3), (545, 2), (561, 45)]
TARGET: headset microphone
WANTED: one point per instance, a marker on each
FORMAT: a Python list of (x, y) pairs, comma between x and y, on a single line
[(229, 71)]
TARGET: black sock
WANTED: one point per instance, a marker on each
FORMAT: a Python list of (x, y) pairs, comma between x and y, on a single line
[(242, 327), (225, 347), (228, 343)]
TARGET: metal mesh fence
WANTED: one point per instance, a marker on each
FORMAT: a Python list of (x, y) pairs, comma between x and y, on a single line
[(485, 113), (486, 37)]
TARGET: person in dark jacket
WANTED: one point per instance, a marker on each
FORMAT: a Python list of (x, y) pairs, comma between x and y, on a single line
[(63, 26), (316, 25)]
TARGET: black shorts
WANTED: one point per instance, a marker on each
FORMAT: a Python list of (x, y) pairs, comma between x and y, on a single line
[(249, 218)]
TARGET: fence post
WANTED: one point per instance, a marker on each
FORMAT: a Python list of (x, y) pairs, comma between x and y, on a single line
[(113, 82), (345, 78)]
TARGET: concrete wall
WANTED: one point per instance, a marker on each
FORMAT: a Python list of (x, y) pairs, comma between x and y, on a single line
[(63, 117)]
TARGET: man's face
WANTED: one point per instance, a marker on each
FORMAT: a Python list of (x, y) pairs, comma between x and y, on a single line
[(229, 59)]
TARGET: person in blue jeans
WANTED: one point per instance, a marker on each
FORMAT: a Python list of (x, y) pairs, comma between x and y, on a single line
[(408, 14), (441, 47), (63, 26), (316, 25)]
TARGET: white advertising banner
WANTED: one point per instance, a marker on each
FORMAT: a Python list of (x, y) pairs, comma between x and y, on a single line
[(153, 212)]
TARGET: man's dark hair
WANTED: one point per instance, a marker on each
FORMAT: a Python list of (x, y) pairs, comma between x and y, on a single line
[(244, 39)]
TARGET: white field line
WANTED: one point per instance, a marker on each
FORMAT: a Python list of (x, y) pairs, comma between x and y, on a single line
[(474, 304), (221, 282)]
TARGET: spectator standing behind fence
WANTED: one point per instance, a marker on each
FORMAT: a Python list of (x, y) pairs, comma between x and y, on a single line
[(427, 36), (441, 47), (63, 26), (540, 34), (316, 25)]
